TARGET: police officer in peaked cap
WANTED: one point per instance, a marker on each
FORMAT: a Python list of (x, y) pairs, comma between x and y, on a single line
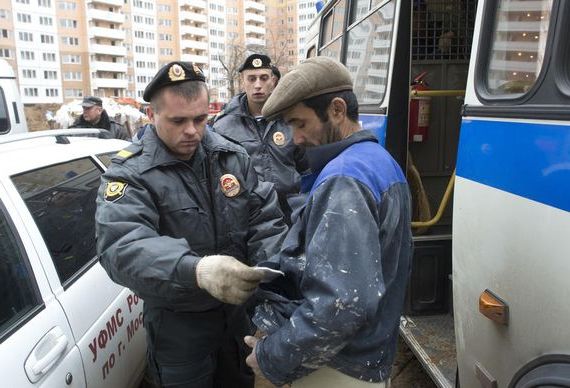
[(181, 219), (275, 157)]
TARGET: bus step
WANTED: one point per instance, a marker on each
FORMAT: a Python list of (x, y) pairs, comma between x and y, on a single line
[(432, 339)]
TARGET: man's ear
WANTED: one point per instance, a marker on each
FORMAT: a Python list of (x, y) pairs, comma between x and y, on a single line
[(150, 113), (337, 109)]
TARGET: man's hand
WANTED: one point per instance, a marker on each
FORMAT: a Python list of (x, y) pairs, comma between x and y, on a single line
[(251, 360), (227, 279)]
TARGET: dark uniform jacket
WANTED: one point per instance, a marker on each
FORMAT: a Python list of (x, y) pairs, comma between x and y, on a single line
[(169, 213), (346, 261), (276, 159), (113, 130)]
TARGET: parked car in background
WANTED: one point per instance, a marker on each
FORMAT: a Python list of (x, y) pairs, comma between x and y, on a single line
[(12, 119), (63, 322)]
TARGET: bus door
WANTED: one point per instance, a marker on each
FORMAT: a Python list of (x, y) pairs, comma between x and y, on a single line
[(511, 251)]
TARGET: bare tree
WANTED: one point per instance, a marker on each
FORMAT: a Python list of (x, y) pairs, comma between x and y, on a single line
[(231, 61), (278, 49)]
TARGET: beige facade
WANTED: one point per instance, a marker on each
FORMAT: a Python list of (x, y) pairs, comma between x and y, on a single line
[(66, 49)]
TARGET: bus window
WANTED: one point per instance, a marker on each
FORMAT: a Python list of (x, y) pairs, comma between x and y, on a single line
[(332, 50), (368, 54), (333, 24), (518, 45), (311, 52), (359, 9)]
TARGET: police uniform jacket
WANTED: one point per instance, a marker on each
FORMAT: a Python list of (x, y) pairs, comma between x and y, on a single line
[(270, 144), (157, 216), (112, 129), (346, 261)]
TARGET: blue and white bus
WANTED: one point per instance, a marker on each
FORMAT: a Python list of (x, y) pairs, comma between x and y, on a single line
[(484, 135)]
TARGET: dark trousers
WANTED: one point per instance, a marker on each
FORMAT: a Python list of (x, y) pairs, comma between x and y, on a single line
[(198, 349)]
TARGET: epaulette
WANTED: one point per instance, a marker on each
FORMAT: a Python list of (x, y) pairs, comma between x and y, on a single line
[(127, 153)]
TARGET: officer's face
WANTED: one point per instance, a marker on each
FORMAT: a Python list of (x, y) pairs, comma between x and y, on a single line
[(91, 114), (258, 84), (180, 123)]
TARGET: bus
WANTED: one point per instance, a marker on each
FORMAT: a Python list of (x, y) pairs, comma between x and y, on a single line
[(12, 119), (472, 98)]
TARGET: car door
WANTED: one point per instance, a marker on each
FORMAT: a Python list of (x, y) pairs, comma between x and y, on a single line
[(37, 347), (105, 318)]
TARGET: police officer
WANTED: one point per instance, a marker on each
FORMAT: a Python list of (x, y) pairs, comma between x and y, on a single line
[(180, 217), (94, 116), (334, 319), (275, 157)]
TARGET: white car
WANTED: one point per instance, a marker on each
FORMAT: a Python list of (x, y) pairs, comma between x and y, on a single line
[(63, 322)]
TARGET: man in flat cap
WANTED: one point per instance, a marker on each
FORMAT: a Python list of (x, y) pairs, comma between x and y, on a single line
[(180, 218), (275, 157), (94, 116), (333, 320)]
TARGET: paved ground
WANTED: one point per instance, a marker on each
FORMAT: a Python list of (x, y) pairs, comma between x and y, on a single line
[(406, 373)]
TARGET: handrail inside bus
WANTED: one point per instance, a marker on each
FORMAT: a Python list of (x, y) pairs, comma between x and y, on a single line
[(442, 206), (437, 93)]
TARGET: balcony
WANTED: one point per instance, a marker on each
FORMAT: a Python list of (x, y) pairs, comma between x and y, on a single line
[(259, 19), (193, 44), (198, 59), (109, 83), (117, 51), (108, 66), (116, 3), (192, 31), (254, 6), (102, 32), (193, 4), (193, 16), (106, 16), (251, 29), (254, 42)]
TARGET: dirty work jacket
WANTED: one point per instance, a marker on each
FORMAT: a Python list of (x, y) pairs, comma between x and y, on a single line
[(276, 159), (346, 261), (157, 216), (112, 129)]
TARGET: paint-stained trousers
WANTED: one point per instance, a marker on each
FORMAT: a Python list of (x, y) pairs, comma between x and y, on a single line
[(198, 349), (331, 378)]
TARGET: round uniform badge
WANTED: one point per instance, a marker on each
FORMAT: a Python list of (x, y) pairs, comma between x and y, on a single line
[(115, 191), (230, 185), (279, 138), (256, 62), (176, 73)]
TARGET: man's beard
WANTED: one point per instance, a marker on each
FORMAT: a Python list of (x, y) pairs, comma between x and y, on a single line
[(330, 134)]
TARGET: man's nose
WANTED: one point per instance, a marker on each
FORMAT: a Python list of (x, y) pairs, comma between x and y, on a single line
[(190, 129)]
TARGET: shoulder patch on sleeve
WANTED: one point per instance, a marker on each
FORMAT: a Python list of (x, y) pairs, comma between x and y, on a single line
[(115, 191), (127, 153)]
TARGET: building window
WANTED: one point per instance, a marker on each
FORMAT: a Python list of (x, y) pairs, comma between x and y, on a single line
[(73, 93), (67, 5), (27, 73), (48, 57), (46, 39), (44, 3), (71, 41), (26, 36), (72, 76), (46, 21), (24, 18), (76, 59), (52, 92), (50, 74), (68, 23), (31, 92), (5, 53)]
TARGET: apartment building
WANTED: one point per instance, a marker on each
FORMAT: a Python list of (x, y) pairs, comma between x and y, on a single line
[(66, 49)]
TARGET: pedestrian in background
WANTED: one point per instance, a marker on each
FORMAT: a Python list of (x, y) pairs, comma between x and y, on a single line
[(94, 116), (275, 157), (180, 217), (333, 320)]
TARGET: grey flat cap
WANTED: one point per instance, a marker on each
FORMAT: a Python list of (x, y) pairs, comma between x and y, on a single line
[(310, 78)]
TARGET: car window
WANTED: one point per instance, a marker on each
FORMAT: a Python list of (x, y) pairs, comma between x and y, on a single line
[(18, 294), (61, 199)]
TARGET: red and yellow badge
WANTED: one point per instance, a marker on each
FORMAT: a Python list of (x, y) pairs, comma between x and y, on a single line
[(229, 185), (176, 73), (115, 191), (279, 138)]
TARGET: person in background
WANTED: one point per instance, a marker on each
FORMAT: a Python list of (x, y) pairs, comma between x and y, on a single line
[(275, 157), (180, 218), (333, 320), (94, 116)]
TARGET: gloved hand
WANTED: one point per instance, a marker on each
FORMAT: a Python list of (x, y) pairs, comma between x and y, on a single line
[(227, 279)]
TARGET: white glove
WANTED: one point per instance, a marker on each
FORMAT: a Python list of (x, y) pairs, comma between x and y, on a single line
[(226, 278)]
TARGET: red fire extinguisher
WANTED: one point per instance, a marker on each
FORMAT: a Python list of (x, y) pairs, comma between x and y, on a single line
[(419, 111)]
